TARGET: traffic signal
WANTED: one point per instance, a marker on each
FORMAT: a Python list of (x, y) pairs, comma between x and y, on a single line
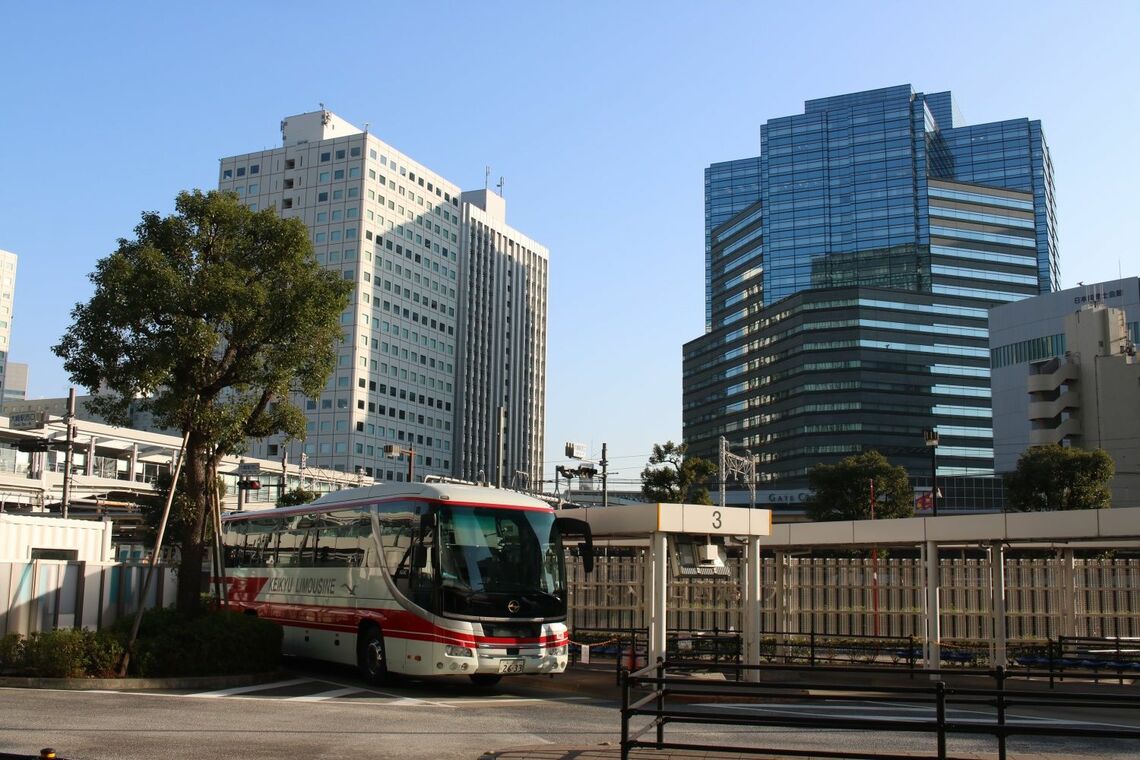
[(587, 472), (249, 485), (32, 445)]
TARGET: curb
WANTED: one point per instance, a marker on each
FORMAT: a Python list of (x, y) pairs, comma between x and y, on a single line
[(182, 682)]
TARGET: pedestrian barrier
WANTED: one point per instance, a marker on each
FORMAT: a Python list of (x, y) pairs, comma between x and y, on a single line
[(666, 694)]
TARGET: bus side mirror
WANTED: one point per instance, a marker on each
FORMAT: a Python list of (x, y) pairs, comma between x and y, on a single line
[(570, 527)]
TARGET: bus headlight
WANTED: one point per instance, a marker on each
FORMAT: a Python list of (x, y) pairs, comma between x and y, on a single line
[(453, 651)]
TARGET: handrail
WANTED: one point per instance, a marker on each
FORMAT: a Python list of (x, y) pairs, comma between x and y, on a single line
[(659, 685)]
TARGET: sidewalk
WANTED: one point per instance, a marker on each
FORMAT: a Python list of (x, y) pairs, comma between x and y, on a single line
[(600, 681)]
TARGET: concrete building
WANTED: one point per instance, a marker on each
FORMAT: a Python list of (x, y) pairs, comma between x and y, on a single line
[(7, 301), (15, 383), (849, 272), (501, 367), (445, 342), (1064, 371)]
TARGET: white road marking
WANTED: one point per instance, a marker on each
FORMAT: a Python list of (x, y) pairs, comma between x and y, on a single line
[(322, 696), (247, 689)]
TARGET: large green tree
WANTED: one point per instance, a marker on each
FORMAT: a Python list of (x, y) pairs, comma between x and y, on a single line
[(208, 318), (674, 477), (1054, 477), (842, 491)]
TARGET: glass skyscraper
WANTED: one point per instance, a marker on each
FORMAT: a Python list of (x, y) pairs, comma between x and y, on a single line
[(849, 269)]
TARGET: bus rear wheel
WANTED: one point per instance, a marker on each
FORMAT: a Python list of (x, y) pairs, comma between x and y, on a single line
[(485, 680), (370, 658)]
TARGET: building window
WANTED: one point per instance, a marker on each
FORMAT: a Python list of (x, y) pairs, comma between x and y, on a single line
[(227, 173), (325, 156), (322, 197), (340, 154), (241, 171), (254, 168)]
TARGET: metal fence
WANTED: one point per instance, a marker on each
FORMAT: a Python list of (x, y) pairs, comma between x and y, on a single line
[(44, 594), (1045, 597), (958, 703)]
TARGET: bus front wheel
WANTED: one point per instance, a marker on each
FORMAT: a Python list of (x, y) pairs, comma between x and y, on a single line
[(370, 657)]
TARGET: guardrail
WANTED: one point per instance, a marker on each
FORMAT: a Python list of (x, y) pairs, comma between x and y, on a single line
[(665, 684), (1087, 657)]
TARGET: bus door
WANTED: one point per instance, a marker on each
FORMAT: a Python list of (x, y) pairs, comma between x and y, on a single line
[(407, 537)]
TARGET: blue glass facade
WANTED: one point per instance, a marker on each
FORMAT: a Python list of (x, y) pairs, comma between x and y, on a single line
[(729, 187), (848, 273)]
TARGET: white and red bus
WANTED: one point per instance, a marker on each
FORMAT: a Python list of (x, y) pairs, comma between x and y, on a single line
[(424, 579)]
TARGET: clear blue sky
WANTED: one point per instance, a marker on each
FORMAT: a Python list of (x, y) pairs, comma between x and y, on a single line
[(601, 116)]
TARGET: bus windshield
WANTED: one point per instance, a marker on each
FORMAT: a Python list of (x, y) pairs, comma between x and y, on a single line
[(500, 562)]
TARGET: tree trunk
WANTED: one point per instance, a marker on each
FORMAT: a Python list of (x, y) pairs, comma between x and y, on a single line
[(198, 482)]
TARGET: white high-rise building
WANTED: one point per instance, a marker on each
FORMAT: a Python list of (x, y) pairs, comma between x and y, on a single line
[(7, 300), (501, 388), (400, 232)]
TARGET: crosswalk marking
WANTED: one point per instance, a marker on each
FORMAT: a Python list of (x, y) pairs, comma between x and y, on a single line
[(247, 689), (322, 696)]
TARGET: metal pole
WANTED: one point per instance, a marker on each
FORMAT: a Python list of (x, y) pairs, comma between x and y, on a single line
[(874, 568), (412, 466), (502, 418), (68, 420), (721, 466)]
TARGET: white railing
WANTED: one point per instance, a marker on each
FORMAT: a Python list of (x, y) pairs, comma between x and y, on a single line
[(44, 594), (837, 596)]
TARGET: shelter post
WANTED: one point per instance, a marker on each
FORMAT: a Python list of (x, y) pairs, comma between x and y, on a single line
[(933, 612), (751, 627), (997, 604)]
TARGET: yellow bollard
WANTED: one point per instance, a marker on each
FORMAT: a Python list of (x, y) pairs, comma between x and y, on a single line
[(47, 753)]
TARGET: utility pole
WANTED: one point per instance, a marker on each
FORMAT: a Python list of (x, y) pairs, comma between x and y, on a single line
[(605, 488), (69, 421)]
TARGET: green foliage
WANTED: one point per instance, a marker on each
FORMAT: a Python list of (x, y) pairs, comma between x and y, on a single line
[(171, 643), (1054, 477), (10, 652), (843, 491), (295, 496), (209, 318), (679, 479), (183, 514), (61, 653)]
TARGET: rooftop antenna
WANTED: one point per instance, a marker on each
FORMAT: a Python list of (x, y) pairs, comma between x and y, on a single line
[(500, 185), (487, 177)]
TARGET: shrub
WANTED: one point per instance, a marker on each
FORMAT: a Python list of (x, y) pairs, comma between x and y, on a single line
[(56, 654), (11, 655), (173, 644)]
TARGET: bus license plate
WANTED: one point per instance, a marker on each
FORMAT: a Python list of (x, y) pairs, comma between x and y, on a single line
[(511, 666)]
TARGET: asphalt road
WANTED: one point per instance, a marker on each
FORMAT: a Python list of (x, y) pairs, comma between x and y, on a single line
[(321, 711)]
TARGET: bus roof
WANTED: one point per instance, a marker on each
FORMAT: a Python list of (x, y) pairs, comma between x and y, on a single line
[(453, 492)]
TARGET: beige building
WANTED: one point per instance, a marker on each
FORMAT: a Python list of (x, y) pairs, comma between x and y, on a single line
[(444, 350), (7, 299), (1090, 397)]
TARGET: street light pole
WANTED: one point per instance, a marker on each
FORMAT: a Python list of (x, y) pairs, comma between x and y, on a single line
[(931, 437), (392, 450)]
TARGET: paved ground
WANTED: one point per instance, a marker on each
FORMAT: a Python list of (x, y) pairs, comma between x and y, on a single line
[(319, 711)]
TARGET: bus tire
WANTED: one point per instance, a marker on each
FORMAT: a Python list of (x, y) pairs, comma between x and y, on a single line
[(485, 680), (370, 657)]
